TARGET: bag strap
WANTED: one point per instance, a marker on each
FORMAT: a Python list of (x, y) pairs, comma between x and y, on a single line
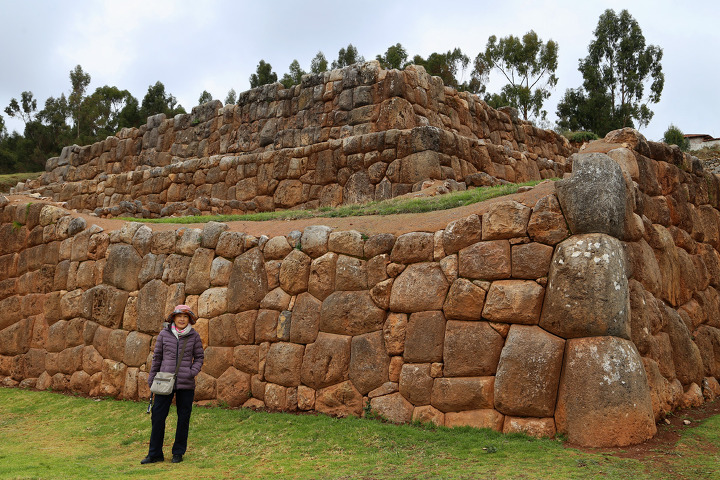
[(182, 352)]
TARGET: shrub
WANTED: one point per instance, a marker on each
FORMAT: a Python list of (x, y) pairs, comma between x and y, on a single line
[(674, 136), (581, 137)]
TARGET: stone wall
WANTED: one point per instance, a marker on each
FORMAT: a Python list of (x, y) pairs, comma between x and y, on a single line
[(346, 136), (593, 311)]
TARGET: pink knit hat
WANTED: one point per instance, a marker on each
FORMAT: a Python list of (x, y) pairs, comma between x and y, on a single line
[(182, 309)]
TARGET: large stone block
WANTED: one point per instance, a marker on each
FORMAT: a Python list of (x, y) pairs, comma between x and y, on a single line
[(233, 387), (175, 268), (276, 248), (213, 302), (531, 260), (535, 427), (462, 233), (394, 407), (598, 304), (413, 247), (339, 400), (424, 337), (394, 332), (351, 273), (346, 243), (514, 301), (489, 260), (266, 326), (465, 301), (107, 305), (326, 361), (92, 361), (198, 273), (151, 306), (480, 418), (314, 240), (205, 387), (369, 362), (707, 339), (248, 282), (217, 360), (471, 349), (604, 398), (427, 278), (15, 339), (322, 275), (283, 363), (685, 353), (416, 384), (232, 329), (505, 219), (123, 267), (295, 272), (462, 393), (415, 168), (305, 322), (595, 198), (350, 313), (137, 347), (528, 374)]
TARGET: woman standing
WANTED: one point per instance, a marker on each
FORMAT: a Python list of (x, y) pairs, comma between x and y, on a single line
[(168, 347)]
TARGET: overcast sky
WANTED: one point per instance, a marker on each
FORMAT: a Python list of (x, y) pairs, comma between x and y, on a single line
[(215, 45)]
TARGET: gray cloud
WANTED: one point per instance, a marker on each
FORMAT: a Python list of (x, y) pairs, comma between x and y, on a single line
[(193, 46)]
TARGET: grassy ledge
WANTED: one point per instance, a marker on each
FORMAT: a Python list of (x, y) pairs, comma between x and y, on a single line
[(48, 435), (391, 206), (11, 179)]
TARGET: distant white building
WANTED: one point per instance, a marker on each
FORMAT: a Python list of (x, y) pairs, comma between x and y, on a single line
[(702, 140)]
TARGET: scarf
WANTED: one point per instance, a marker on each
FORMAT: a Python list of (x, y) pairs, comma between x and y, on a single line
[(180, 333)]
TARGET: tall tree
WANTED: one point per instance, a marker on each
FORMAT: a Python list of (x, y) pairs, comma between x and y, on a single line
[(25, 109), (319, 63), (445, 65), (106, 110), (347, 56), (157, 101), (263, 75), (294, 76), (395, 57), (54, 117), (204, 97), (231, 97), (79, 81), (528, 65), (616, 72)]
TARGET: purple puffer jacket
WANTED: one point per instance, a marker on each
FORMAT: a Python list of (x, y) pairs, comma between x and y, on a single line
[(167, 348)]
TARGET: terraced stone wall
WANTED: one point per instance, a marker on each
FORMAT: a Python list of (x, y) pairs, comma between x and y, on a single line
[(592, 311), (346, 136)]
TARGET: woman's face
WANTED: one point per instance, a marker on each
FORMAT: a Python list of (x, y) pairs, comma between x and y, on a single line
[(181, 320)]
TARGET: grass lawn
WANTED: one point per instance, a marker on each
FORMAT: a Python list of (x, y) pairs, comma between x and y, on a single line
[(47, 435)]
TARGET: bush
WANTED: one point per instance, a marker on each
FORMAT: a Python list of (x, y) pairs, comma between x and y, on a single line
[(581, 137), (674, 136)]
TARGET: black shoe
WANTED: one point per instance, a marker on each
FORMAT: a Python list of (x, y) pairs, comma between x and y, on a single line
[(177, 459), (150, 459)]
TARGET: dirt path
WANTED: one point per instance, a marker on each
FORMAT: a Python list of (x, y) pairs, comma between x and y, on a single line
[(369, 225)]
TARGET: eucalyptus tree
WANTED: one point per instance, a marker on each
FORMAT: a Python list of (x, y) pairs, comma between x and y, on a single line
[(528, 66), (622, 76)]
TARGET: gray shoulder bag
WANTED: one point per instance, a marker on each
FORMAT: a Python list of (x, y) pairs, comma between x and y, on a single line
[(164, 382)]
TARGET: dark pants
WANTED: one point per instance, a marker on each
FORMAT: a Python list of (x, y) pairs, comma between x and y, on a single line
[(160, 410)]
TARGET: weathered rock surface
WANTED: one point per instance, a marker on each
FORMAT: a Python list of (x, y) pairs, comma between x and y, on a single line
[(604, 398), (597, 306)]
